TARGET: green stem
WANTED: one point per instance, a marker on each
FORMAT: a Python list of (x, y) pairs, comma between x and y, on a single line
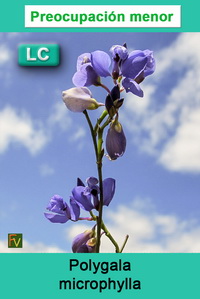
[(99, 154), (93, 216), (100, 119), (100, 209), (92, 133), (124, 244), (108, 234)]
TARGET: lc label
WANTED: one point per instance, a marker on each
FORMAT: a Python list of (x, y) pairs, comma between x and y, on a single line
[(38, 54)]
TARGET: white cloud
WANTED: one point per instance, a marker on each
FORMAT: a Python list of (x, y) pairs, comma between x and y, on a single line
[(148, 230), (166, 121), (46, 170), (182, 152), (60, 116), (19, 129), (78, 134), (5, 54), (29, 248)]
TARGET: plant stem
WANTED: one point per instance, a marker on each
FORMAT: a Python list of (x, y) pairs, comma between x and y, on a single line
[(86, 218), (108, 234), (100, 119), (92, 133), (100, 210), (99, 154), (124, 244)]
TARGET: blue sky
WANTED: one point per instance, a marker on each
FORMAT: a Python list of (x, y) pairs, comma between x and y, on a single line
[(44, 147)]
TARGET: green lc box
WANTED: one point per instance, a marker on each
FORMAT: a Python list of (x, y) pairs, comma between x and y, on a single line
[(38, 54)]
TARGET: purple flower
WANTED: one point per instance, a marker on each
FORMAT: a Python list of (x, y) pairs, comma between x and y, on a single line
[(87, 197), (84, 242), (119, 53), (115, 140), (60, 212), (137, 66), (90, 67)]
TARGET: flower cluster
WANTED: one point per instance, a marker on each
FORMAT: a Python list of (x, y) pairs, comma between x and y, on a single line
[(133, 68), (83, 197), (127, 70)]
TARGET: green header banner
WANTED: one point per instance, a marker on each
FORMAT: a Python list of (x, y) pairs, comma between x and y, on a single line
[(13, 17)]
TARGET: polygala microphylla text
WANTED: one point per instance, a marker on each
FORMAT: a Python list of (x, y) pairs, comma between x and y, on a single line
[(103, 267)]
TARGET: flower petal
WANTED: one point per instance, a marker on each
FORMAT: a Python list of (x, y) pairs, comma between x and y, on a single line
[(108, 190), (83, 249), (92, 181), (81, 239), (78, 99), (121, 51), (151, 64), (83, 200), (80, 182), (82, 59), (56, 218), (101, 63), (86, 76), (75, 209), (132, 86), (134, 64), (57, 206)]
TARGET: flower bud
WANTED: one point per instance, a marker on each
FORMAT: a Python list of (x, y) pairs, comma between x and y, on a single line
[(110, 106), (81, 240), (78, 99), (89, 247), (115, 141)]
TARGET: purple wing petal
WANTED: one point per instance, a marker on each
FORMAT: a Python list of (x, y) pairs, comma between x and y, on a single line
[(82, 59), (83, 201), (56, 203), (132, 86), (86, 76), (101, 63), (56, 218), (134, 64), (151, 64), (75, 209), (108, 190)]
